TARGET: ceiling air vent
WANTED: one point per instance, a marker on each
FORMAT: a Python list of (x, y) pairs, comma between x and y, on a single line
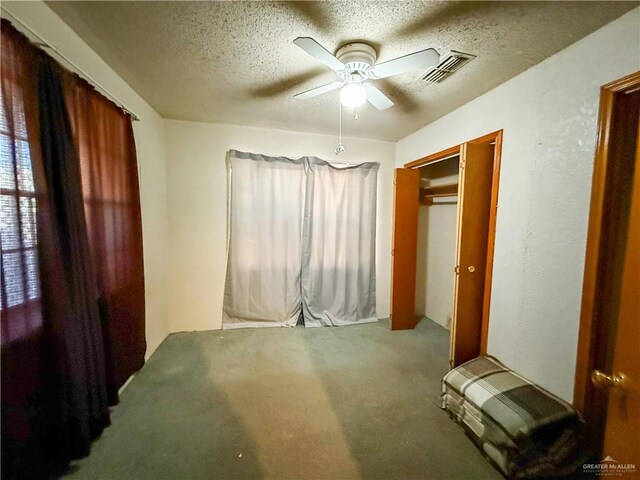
[(451, 63)]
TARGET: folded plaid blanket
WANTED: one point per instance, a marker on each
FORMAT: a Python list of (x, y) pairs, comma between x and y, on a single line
[(525, 430)]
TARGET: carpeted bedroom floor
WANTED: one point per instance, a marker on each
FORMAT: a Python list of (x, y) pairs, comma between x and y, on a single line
[(324, 403)]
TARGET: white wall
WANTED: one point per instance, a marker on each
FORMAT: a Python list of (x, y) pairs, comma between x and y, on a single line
[(549, 116), (197, 196), (436, 256), (149, 136)]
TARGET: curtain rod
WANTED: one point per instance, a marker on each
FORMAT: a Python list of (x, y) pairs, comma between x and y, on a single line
[(44, 45)]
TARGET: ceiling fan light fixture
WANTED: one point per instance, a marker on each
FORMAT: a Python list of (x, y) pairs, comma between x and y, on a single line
[(353, 95), (354, 65)]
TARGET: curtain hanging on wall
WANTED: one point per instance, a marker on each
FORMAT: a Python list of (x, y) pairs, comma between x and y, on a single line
[(106, 148), (338, 266), (21, 308), (301, 240), (75, 389), (54, 306), (262, 287), (54, 399)]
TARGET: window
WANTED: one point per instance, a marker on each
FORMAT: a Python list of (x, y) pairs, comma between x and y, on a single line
[(18, 235)]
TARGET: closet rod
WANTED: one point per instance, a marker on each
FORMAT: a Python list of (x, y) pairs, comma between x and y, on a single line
[(44, 45), (438, 195), (429, 200)]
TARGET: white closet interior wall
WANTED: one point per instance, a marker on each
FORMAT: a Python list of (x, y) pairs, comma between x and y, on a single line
[(436, 246)]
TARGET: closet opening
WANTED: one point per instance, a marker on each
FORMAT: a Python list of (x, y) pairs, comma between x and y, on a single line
[(444, 230), (436, 259)]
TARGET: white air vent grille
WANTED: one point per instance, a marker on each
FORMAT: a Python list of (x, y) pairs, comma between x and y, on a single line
[(451, 63)]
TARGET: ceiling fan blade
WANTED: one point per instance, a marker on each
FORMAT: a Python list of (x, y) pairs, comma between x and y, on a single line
[(376, 98), (414, 61), (316, 50), (281, 86), (314, 92)]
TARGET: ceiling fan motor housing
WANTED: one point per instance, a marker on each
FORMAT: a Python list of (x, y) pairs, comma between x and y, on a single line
[(358, 57), (354, 64)]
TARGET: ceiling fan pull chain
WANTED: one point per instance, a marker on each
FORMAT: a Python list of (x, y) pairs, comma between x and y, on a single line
[(356, 117), (340, 148), (340, 123)]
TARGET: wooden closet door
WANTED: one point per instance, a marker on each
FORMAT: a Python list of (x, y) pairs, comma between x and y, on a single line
[(474, 205), (404, 249)]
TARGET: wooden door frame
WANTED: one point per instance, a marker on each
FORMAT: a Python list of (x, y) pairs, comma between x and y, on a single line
[(496, 138), (590, 323)]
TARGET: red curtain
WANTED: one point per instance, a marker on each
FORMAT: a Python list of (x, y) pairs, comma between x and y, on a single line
[(20, 292), (104, 137), (71, 271), (74, 384)]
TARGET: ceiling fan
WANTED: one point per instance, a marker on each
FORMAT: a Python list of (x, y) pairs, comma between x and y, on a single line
[(354, 64)]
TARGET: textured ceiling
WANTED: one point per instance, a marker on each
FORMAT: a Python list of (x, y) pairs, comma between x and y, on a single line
[(234, 62)]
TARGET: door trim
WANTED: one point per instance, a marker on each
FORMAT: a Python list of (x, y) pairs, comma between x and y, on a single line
[(496, 138), (583, 396)]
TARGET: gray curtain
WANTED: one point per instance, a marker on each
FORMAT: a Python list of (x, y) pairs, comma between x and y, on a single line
[(301, 239), (265, 241), (338, 258)]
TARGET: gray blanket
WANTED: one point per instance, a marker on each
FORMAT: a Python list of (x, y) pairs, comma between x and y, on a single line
[(525, 430)]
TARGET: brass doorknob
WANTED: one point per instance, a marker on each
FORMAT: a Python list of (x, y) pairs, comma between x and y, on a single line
[(617, 382), (472, 269)]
